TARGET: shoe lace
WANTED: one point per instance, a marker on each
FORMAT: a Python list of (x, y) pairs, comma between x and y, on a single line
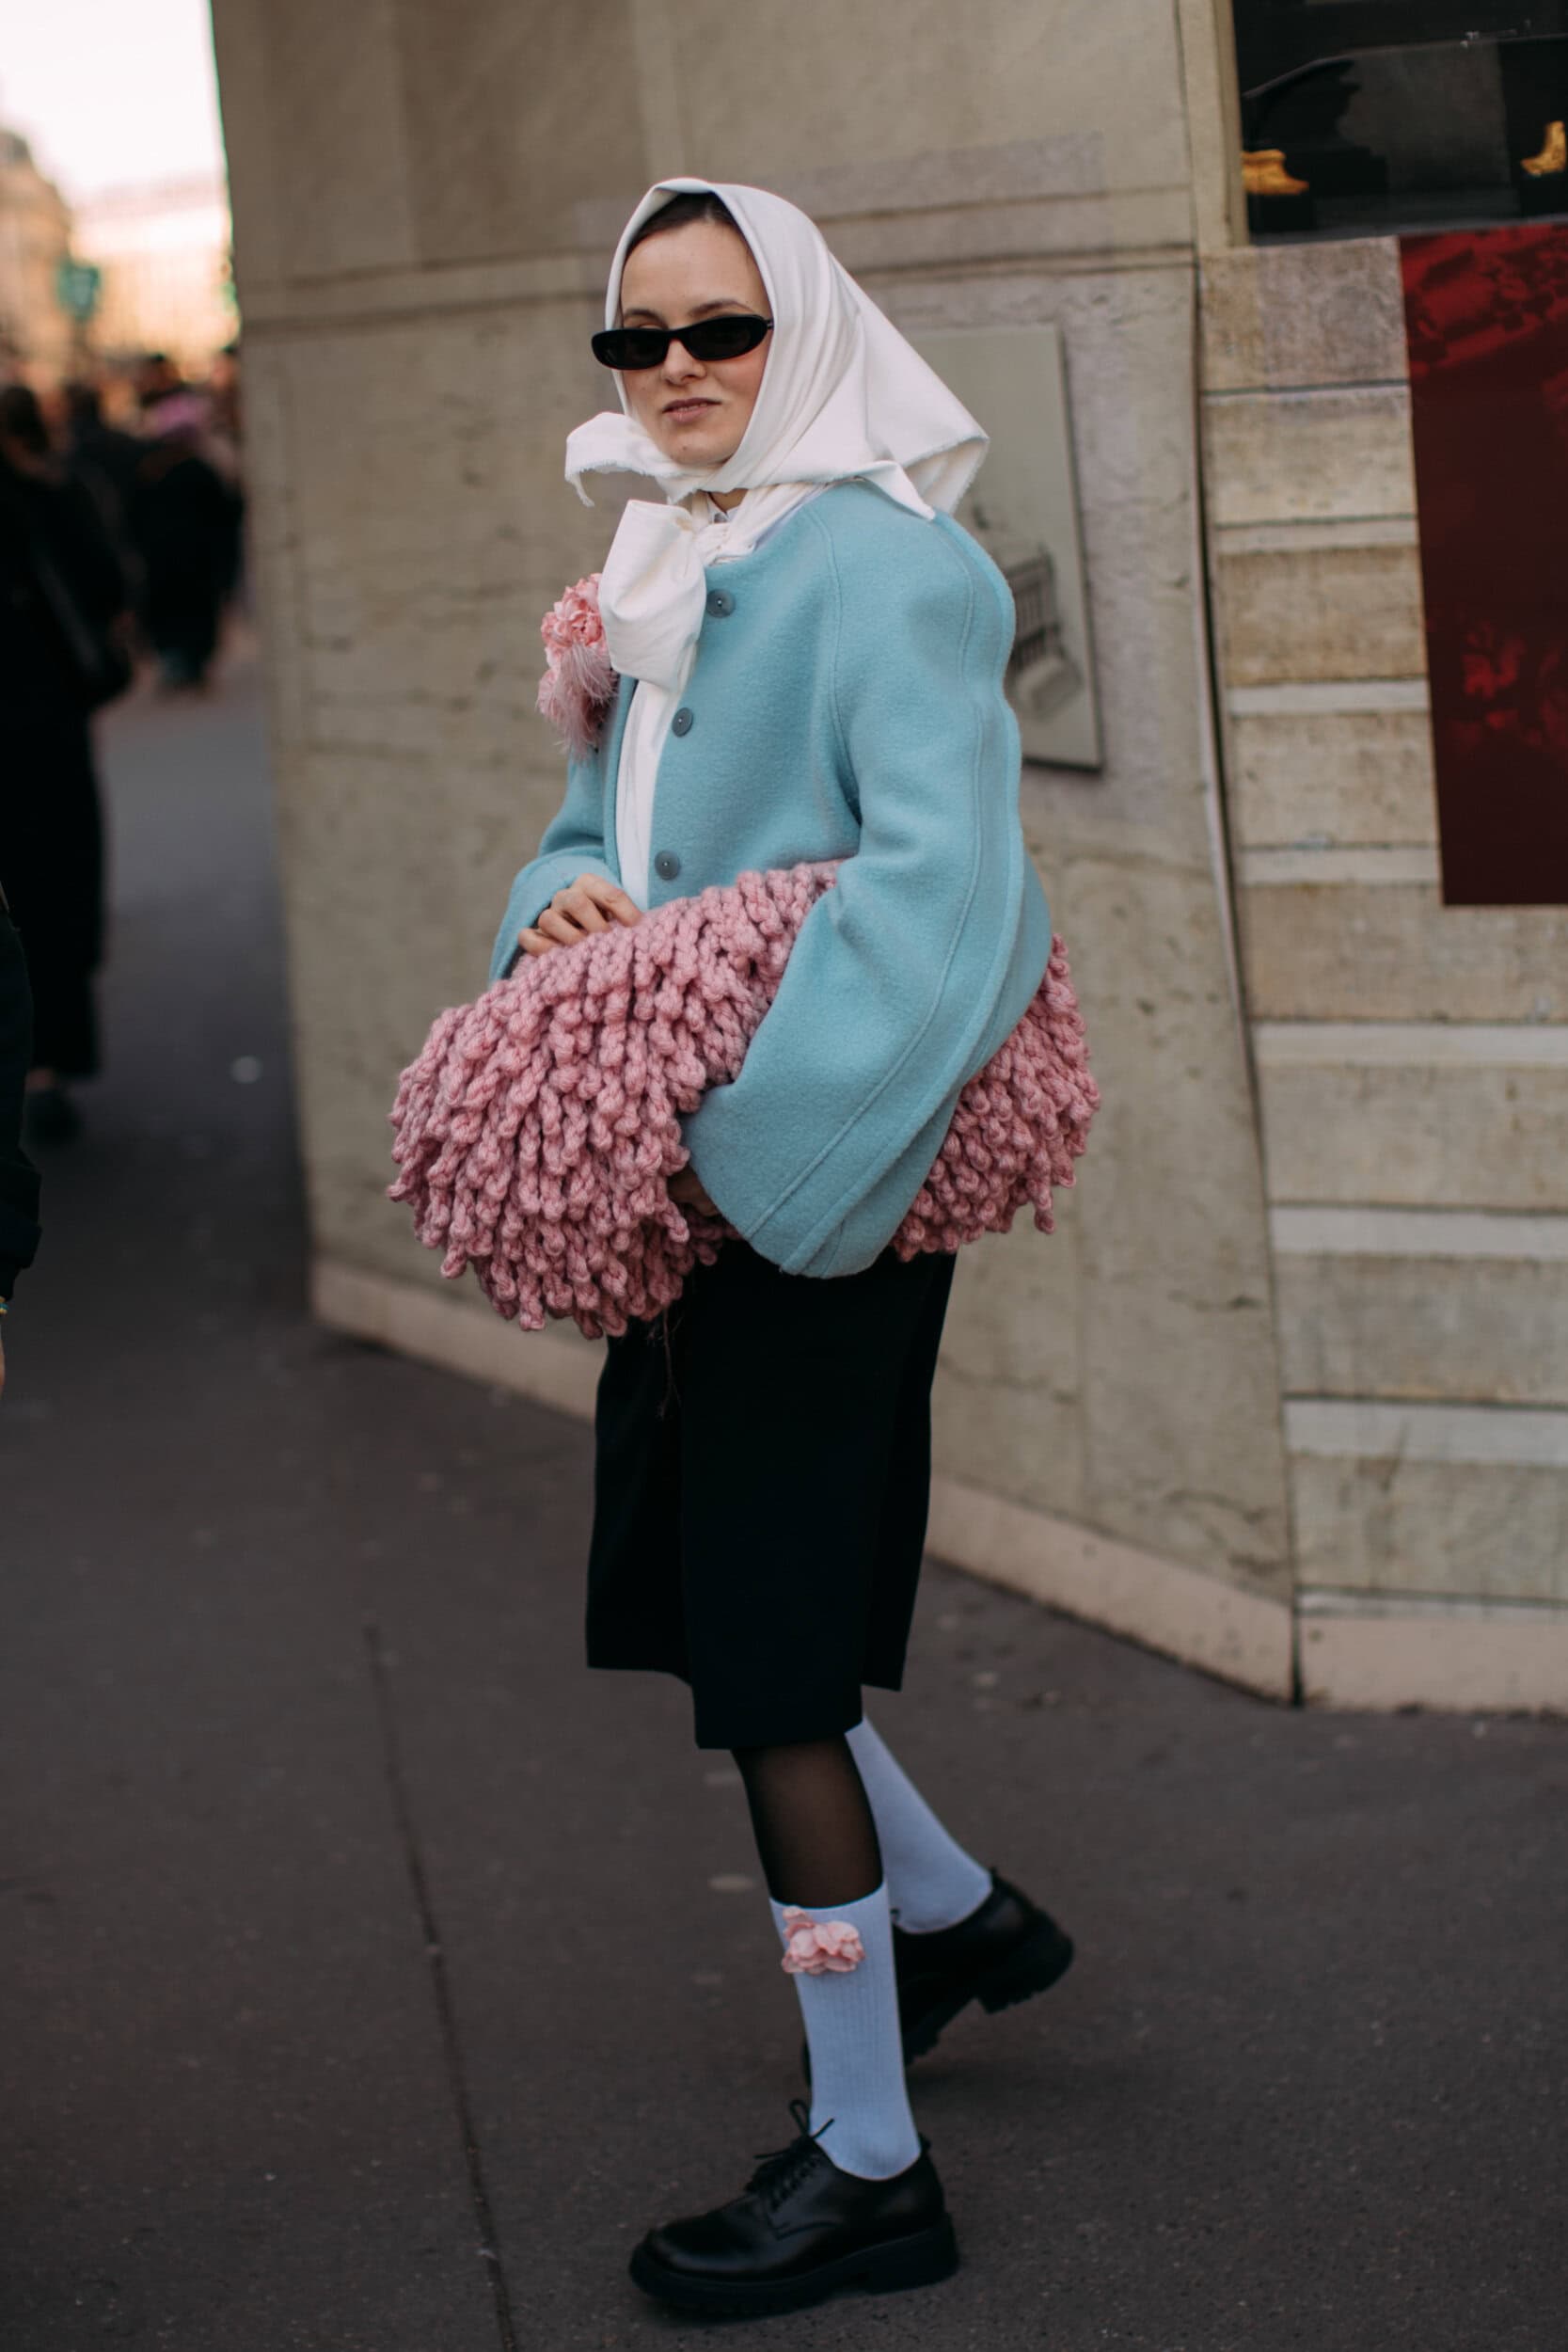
[(782, 2169)]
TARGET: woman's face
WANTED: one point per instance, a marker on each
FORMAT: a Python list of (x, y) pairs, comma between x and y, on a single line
[(695, 411)]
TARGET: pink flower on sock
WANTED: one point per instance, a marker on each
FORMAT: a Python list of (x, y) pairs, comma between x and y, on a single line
[(812, 1946)]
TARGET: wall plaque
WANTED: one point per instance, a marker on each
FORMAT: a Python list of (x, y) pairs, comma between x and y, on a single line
[(1024, 510)]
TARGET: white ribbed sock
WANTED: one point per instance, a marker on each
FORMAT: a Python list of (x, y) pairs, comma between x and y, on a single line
[(932, 1883), (857, 2055)]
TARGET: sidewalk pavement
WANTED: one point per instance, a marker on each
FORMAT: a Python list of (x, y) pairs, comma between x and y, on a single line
[(373, 1975)]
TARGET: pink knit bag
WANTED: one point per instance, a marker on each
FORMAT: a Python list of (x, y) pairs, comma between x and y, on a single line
[(537, 1132)]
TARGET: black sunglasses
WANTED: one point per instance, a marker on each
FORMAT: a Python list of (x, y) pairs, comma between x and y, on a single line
[(627, 349)]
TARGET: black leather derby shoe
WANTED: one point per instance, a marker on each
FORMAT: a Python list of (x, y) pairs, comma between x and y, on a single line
[(1006, 1951), (801, 2232)]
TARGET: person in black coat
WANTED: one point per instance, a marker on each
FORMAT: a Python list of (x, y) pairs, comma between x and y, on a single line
[(185, 515), (61, 595), (19, 1184), (106, 462)]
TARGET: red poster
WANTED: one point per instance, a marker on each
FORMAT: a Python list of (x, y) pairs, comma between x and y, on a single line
[(1487, 321)]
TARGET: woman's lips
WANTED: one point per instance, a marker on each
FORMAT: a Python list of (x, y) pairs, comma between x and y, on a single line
[(679, 410)]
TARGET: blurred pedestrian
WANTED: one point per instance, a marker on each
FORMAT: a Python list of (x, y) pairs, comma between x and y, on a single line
[(19, 1184), (103, 458), (810, 656), (186, 521), (62, 655), (225, 394), (155, 378)]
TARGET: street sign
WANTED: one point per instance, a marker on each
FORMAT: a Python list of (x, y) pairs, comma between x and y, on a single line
[(78, 287)]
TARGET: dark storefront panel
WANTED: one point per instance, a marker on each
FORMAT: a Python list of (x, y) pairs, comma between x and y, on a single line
[(1486, 320), (1384, 115)]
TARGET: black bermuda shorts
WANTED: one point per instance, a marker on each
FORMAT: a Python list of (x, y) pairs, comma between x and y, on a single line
[(762, 1479)]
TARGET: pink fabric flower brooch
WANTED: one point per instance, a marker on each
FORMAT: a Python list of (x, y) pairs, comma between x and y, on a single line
[(815, 1945), (578, 684)]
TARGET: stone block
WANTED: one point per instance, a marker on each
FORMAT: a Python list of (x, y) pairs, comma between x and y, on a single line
[(502, 165), (1470, 1657), (1224, 1626), (271, 540), (1392, 951), (339, 176), (1416, 1136), (1487, 1329), (1294, 314), (1480, 1530), (1179, 1377), (1341, 777), (1315, 612), (1180, 1410), (1007, 1411), (412, 521), (1308, 455), (1045, 233), (997, 77), (377, 947)]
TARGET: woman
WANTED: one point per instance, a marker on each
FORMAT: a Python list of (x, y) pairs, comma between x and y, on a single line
[(810, 655)]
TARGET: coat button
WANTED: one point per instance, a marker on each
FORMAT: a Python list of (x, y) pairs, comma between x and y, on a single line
[(681, 722), (667, 865), (720, 603)]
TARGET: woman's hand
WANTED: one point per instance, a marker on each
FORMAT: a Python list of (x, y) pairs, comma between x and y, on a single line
[(589, 904), (686, 1190)]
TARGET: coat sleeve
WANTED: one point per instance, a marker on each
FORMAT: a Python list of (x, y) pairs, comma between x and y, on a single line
[(19, 1184), (885, 1011), (573, 843)]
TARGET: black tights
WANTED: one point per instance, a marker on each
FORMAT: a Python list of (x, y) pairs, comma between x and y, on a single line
[(813, 1827)]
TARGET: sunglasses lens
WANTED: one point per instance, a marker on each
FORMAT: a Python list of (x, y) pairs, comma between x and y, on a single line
[(629, 348), (725, 338)]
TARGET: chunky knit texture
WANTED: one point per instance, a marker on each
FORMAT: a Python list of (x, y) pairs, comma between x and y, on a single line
[(538, 1130)]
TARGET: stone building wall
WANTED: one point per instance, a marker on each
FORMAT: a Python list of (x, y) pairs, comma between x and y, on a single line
[(1412, 1057), (425, 197), (1306, 1431)]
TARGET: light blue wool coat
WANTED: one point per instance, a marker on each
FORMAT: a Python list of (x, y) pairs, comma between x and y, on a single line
[(846, 702)]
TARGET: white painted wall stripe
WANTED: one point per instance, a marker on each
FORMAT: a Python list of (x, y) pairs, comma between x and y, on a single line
[(1306, 536), (1293, 865), (1331, 1600), (1327, 697), (1539, 1238), (1214, 393), (1363, 1429), (1408, 1044)]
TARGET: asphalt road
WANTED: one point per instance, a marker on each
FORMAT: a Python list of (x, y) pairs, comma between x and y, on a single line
[(373, 1974)]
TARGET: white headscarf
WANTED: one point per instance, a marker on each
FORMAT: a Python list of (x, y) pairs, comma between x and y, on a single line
[(843, 395)]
